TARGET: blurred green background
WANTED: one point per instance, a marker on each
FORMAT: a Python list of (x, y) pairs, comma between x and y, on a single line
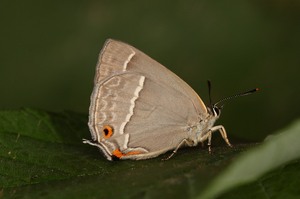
[(49, 50)]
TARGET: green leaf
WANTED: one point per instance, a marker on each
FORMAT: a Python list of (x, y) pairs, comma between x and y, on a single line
[(277, 150), (42, 156)]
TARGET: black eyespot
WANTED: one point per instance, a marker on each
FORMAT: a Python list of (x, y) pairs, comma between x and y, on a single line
[(105, 132), (115, 158)]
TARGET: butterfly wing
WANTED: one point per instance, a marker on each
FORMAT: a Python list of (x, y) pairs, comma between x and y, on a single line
[(146, 106)]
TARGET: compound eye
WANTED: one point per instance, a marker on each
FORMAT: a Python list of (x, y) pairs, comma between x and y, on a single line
[(216, 111)]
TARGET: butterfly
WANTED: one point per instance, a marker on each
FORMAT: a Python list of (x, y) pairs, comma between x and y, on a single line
[(139, 109)]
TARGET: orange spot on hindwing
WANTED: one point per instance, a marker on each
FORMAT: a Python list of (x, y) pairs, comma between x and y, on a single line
[(117, 153), (107, 131)]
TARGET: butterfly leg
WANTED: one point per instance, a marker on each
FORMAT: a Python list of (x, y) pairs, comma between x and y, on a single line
[(223, 133), (182, 143), (208, 136), (209, 141)]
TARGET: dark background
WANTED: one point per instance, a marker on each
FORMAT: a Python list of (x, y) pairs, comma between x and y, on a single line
[(49, 50)]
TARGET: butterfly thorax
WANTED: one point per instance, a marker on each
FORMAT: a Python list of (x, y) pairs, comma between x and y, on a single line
[(203, 127)]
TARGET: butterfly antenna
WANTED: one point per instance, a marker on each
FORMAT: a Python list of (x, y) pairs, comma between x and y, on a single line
[(209, 92), (236, 95)]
